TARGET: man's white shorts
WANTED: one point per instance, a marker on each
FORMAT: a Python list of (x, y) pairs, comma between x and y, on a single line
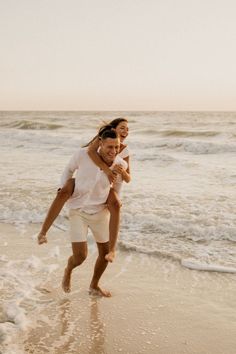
[(98, 223)]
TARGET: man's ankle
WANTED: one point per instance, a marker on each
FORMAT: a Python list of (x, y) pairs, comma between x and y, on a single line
[(93, 285)]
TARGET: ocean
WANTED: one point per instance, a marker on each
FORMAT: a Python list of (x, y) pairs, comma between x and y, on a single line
[(180, 203), (178, 208)]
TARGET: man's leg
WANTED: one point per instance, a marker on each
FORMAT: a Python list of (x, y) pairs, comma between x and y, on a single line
[(99, 269), (80, 251)]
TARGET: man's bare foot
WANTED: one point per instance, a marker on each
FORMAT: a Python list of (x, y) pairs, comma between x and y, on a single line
[(99, 292), (110, 256), (66, 283), (42, 238)]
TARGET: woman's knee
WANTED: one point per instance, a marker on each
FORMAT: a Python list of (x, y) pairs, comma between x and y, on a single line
[(113, 201), (114, 204)]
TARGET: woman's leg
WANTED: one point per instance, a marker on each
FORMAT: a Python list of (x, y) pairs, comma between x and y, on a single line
[(62, 196), (114, 206)]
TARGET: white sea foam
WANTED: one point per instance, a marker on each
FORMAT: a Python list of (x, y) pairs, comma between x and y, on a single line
[(20, 281), (201, 147), (55, 252), (192, 264), (33, 263), (3, 258), (15, 314)]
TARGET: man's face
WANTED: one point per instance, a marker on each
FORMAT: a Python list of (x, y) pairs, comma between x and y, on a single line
[(109, 148)]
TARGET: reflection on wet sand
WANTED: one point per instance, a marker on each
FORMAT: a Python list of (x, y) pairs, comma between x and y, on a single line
[(97, 328), (65, 317), (69, 326), (77, 335)]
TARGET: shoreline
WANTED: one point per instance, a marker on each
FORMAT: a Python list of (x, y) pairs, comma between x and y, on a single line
[(157, 305)]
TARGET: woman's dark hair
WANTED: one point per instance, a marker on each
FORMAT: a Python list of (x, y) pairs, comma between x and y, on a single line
[(108, 129), (115, 122)]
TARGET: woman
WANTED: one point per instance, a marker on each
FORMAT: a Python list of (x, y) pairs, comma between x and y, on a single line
[(113, 202)]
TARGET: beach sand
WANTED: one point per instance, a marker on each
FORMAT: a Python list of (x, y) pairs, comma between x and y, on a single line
[(157, 306)]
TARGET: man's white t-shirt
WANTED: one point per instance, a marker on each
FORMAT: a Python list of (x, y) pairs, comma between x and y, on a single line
[(91, 183)]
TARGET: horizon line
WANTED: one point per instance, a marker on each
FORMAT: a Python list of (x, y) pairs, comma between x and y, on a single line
[(112, 110)]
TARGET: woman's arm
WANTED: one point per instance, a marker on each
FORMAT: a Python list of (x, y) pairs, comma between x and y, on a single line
[(125, 173), (70, 168), (92, 152)]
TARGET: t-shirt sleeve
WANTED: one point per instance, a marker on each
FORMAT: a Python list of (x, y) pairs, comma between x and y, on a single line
[(70, 168)]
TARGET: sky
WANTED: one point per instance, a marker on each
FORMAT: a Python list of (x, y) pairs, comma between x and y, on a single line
[(118, 55)]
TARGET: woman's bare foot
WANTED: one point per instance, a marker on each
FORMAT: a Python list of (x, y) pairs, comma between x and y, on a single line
[(99, 292), (42, 238), (66, 281), (110, 256)]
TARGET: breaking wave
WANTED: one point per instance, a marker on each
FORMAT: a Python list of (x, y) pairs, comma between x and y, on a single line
[(32, 125), (189, 133)]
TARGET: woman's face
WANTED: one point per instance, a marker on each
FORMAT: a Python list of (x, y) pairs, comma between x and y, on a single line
[(122, 130)]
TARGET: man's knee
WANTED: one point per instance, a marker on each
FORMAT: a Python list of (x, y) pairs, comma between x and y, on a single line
[(79, 258), (103, 249)]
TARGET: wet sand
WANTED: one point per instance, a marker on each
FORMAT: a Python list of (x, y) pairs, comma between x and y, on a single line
[(157, 306)]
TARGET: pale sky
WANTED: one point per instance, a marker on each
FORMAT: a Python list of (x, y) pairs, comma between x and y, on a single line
[(118, 55)]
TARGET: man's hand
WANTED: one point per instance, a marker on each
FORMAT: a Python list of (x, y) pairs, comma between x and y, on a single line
[(42, 238)]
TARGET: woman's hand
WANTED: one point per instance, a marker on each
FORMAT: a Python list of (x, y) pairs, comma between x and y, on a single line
[(118, 169)]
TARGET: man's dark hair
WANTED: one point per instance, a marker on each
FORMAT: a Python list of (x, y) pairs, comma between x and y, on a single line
[(107, 131)]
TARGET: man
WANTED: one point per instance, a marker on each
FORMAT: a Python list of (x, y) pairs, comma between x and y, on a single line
[(88, 206)]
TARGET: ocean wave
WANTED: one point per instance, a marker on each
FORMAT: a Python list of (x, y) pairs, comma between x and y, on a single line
[(161, 159), (175, 133), (196, 265), (208, 148), (32, 125), (145, 131), (197, 147), (189, 133), (193, 234), (190, 263), (194, 226), (142, 249)]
